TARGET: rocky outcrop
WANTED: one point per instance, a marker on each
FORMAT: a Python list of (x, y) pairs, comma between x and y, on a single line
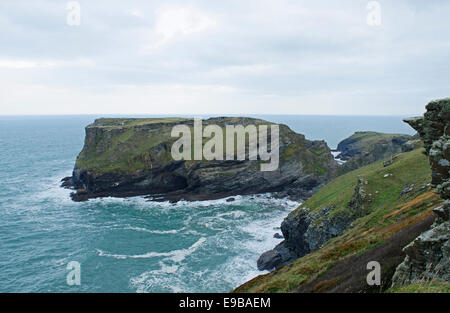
[(129, 157), (411, 145), (434, 130), (363, 148), (428, 256), (306, 231)]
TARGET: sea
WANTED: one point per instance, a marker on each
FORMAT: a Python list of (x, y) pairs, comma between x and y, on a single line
[(131, 244)]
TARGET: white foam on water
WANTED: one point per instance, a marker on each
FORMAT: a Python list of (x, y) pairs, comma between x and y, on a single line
[(241, 268), (159, 232), (168, 269), (175, 255), (207, 203), (335, 154), (229, 235), (48, 190), (161, 279), (115, 256), (173, 274), (234, 214)]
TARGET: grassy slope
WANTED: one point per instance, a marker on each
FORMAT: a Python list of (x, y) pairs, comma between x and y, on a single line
[(433, 286), (365, 140), (389, 214)]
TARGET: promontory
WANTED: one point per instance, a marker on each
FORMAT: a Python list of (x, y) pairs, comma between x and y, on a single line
[(125, 157)]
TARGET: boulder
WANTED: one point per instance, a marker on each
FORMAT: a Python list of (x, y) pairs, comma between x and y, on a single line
[(277, 236)]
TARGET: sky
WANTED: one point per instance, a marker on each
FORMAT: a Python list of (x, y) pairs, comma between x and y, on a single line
[(327, 57)]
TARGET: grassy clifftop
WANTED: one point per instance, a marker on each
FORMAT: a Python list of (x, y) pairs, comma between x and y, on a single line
[(130, 144), (382, 185), (132, 156), (398, 204), (361, 142), (125, 144), (363, 148)]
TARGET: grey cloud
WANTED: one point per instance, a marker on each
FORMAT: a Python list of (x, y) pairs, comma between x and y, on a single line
[(290, 50)]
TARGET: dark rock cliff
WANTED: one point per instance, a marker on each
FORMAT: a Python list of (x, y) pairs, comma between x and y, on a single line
[(434, 130), (363, 148), (428, 256), (306, 231), (129, 157)]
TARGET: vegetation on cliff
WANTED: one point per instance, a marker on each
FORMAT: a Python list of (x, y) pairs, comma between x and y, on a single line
[(432, 286), (127, 157), (398, 205), (398, 220), (363, 148)]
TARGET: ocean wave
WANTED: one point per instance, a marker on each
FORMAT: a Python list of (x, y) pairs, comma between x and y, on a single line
[(267, 198), (158, 232), (161, 279), (234, 214), (175, 255)]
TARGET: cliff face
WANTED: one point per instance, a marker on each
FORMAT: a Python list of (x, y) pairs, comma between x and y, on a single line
[(363, 148), (306, 230), (428, 256), (434, 130), (128, 157)]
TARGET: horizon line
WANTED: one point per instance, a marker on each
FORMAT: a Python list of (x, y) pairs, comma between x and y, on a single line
[(193, 115)]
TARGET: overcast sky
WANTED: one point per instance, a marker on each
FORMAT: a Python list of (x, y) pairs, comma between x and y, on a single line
[(223, 57)]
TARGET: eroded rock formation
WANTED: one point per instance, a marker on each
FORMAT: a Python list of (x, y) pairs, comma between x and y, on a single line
[(434, 130), (306, 231), (428, 256)]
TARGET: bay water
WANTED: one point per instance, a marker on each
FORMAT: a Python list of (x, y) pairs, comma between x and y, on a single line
[(131, 244)]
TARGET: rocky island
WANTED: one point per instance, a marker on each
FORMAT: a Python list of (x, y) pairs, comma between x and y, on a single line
[(132, 156)]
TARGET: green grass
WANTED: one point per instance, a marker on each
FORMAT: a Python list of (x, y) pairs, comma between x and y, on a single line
[(129, 122), (433, 286), (382, 191), (125, 145), (366, 140), (126, 152)]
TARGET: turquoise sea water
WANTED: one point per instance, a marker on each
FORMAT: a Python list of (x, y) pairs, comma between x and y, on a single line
[(130, 245)]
